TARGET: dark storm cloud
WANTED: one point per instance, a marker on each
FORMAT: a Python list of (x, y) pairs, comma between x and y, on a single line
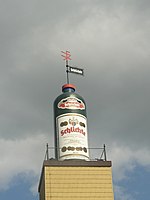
[(24, 71)]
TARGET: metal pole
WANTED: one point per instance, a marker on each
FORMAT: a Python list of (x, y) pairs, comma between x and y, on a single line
[(105, 158), (47, 154), (67, 71)]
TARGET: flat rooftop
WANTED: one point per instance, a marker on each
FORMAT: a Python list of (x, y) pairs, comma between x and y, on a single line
[(75, 163)]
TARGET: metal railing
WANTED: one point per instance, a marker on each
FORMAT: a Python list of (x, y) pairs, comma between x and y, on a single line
[(101, 151)]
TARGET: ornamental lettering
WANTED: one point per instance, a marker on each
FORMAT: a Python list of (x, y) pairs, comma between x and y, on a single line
[(72, 130)]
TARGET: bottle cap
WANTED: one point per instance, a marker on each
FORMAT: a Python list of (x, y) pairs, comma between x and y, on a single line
[(68, 87)]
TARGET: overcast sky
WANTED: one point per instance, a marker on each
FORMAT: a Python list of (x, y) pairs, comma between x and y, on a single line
[(111, 41)]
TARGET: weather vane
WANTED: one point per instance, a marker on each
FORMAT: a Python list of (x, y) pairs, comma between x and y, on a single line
[(66, 55)]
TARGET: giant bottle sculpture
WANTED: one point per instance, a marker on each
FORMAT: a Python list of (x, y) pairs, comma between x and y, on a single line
[(70, 122)]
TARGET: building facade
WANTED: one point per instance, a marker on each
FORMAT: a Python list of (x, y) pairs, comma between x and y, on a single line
[(76, 180)]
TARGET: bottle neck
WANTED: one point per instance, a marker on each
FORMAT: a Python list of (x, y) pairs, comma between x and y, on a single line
[(68, 90)]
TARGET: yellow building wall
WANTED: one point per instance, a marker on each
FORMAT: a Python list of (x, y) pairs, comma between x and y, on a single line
[(78, 183)]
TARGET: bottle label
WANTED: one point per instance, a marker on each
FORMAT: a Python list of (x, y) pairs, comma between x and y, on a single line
[(71, 103), (72, 140)]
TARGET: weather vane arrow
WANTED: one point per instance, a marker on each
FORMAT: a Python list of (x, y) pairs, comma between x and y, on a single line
[(66, 55)]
